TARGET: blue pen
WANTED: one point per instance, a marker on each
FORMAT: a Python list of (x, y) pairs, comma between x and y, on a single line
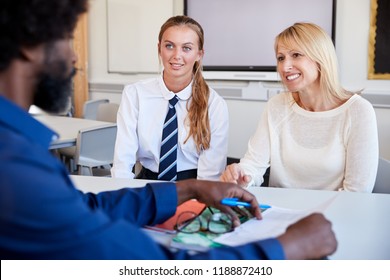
[(235, 202)]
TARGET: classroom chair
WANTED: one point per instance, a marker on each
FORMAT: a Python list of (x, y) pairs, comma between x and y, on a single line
[(94, 151), (107, 112), (91, 107)]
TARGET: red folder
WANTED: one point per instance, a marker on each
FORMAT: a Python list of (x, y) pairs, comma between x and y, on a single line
[(190, 205)]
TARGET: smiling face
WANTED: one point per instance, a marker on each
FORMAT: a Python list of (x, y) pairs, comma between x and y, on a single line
[(298, 72), (179, 50)]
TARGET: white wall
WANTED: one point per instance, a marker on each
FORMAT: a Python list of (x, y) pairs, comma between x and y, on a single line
[(352, 33), (98, 51)]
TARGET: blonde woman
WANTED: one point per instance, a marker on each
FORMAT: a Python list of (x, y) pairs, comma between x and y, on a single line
[(202, 115), (316, 135)]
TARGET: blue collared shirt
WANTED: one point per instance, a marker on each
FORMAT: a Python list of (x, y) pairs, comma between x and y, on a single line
[(43, 216)]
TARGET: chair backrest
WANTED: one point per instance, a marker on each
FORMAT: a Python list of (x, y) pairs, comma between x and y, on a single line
[(95, 146), (382, 183), (107, 112), (91, 107)]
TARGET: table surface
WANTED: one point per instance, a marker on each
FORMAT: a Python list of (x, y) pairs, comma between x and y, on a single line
[(67, 128), (359, 220)]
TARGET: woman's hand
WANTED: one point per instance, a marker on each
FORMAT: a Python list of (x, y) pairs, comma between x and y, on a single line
[(235, 174)]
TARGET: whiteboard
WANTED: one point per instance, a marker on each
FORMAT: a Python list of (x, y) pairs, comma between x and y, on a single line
[(132, 34)]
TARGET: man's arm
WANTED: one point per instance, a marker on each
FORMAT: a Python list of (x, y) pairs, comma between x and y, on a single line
[(149, 205)]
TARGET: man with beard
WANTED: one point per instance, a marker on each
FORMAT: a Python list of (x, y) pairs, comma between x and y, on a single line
[(42, 215)]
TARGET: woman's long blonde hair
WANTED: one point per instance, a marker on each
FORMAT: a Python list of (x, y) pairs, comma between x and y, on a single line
[(318, 46), (198, 113)]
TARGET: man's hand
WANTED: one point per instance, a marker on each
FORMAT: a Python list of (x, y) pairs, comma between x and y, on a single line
[(234, 174), (212, 192), (309, 238)]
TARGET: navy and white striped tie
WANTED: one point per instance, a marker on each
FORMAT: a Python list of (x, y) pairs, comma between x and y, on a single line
[(167, 169)]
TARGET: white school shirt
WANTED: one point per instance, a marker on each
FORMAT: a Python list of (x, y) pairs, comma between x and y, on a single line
[(330, 150), (140, 121)]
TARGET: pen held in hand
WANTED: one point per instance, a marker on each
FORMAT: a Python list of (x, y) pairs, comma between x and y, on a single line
[(235, 202)]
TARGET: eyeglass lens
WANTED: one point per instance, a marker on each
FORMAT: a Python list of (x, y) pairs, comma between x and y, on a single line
[(189, 222), (220, 223)]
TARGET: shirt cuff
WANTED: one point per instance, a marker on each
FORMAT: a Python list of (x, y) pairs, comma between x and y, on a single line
[(272, 249), (165, 196)]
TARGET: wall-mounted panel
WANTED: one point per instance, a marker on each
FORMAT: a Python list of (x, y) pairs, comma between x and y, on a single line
[(133, 34)]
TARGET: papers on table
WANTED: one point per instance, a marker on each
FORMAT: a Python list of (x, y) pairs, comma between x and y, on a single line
[(275, 222)]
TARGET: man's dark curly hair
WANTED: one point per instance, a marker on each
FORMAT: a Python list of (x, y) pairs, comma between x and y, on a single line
[(28, 23)]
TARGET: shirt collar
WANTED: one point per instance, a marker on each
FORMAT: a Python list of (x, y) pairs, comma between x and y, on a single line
[(21, 122), (184, 94)]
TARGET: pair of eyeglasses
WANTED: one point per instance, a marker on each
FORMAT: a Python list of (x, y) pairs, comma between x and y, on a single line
[(190, 222)]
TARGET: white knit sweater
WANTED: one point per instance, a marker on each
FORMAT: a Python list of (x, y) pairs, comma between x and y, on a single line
[(330, 150)]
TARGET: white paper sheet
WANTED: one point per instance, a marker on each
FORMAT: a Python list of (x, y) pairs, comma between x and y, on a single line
[(275, 222)]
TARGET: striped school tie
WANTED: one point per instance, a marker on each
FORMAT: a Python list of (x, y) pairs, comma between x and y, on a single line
[(167, 169)]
